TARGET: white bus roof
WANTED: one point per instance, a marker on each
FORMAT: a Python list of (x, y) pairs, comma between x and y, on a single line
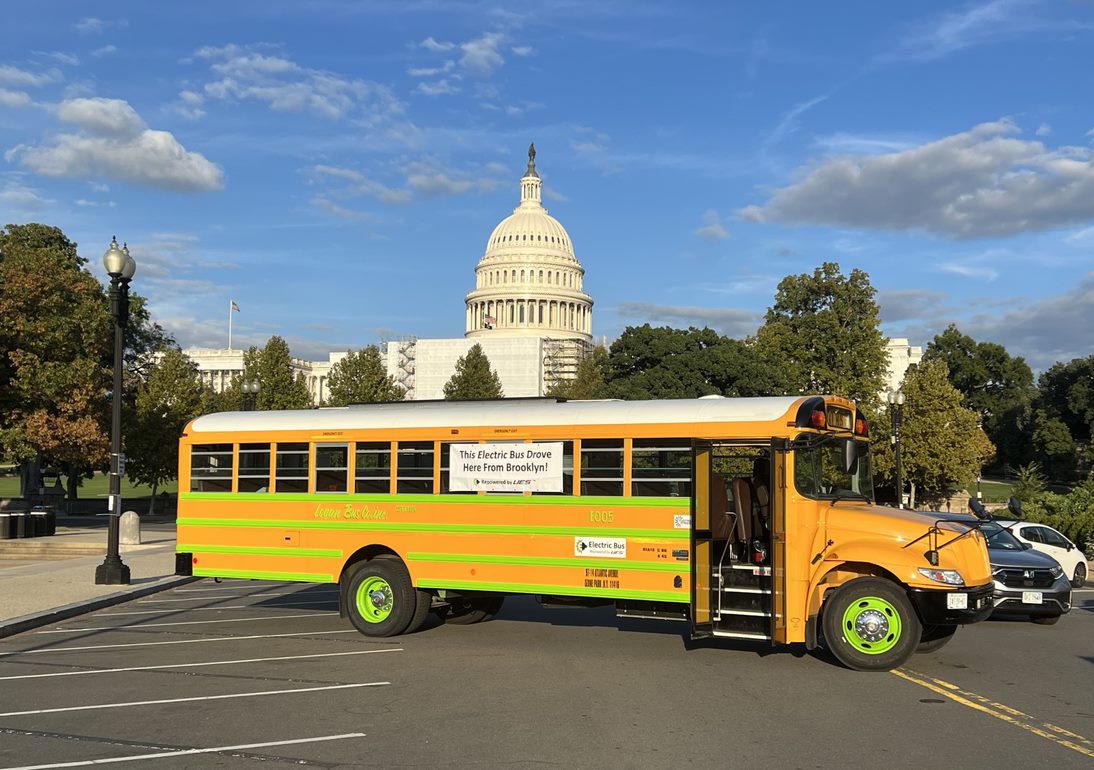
[(469, 414)]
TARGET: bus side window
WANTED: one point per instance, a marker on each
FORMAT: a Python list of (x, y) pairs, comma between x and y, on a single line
[(291, 471), (602, 467), (331, 467), (567, 471), (372, 472), (414, 472), (254, 467), (661, 467), (446, 456), (211, 468)]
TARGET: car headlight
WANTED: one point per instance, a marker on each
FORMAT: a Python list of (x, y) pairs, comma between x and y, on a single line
[(1056, 571), (949, 576)]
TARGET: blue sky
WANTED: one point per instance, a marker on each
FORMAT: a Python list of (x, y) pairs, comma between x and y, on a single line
[(336, 167)]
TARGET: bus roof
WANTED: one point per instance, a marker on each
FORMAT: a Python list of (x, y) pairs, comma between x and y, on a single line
[(470, 414)]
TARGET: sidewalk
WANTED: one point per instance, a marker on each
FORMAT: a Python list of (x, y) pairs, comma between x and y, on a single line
[(42, 588)]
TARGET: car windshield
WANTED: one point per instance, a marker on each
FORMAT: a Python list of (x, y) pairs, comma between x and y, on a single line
[(1000, 538), (818, 472)]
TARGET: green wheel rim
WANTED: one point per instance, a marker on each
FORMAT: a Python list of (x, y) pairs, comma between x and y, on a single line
[(374, 599), (871, 625)]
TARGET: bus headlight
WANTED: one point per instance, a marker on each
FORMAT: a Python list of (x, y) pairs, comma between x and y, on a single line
[(948, 576)]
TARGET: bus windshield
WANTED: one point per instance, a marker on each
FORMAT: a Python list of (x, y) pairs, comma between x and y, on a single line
[(818, 472)]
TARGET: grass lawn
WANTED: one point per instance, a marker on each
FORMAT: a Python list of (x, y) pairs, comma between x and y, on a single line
[(99, 486)]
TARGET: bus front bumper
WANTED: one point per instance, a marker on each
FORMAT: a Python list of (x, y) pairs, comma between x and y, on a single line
[(954, 606)]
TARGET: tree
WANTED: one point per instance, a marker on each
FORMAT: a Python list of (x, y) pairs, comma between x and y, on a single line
[(995, 385), (942, 447), (168, 398), (1052, 442), (279, 386), (1030, 484), (1066, 393), (647, 362), (55, 343), (360, 378), (1072, 514), (588, 379), (473, 378), (823, 331)]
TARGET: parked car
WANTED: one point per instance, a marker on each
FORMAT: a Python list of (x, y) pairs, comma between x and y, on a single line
[(1027, 582), (1045, 539)]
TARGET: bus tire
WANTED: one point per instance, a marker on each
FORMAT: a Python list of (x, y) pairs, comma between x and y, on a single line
[(870, 625), (424, 600), (935, 638), (379, 597), (467, 611)]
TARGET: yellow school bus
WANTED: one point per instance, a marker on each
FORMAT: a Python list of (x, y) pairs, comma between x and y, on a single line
[(747, 518)]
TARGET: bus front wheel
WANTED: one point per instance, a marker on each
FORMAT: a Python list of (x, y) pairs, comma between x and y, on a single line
[(870, 625), (380, 598)]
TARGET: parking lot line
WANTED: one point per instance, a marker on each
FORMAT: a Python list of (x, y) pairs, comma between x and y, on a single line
[(294, 605), (196, 665), (191, 700), (180, 623), (186, 752), (236, 596), (84, 648)]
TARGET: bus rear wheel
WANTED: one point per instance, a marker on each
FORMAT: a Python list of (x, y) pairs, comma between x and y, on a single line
[(464, 612), (379, 597), (870, 625)]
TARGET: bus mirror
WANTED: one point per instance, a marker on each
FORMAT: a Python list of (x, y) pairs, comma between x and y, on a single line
[(977, 508), (1015, 507), (850, 456)]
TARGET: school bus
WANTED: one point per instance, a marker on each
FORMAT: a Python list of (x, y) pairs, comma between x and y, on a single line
[(746, 518)]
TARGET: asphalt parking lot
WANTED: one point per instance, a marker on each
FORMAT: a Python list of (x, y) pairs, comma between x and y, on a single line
[(243, 673)]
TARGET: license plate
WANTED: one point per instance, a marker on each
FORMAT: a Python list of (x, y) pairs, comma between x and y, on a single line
[(1031, 597), (957, 601)]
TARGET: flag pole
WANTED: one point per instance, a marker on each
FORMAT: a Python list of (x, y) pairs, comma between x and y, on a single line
[(229, 325)]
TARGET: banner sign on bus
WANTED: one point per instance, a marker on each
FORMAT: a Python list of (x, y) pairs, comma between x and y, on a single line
[(505, 467)]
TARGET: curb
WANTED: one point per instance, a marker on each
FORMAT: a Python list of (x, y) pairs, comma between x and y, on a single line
[(38, 619)]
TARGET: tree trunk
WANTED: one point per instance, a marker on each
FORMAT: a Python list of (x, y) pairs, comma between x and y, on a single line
[(72, 482), (152, 502)]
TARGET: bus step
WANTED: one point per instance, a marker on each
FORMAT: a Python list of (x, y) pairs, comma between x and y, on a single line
[(748, 602), (749, 613), (752, 623), (745, 576), (741, 635)]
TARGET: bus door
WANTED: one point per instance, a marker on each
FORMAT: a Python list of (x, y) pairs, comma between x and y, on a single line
[(702, 542), (780, 450)]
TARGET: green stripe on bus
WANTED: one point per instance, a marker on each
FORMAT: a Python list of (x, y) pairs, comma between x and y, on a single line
[(295, 577), (548, 561), (329, 553), (480, 529), (528, 588), (569, 500)]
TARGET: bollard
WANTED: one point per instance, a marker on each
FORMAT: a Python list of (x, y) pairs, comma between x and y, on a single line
[(19, 524), (129, 528), (38, 523), (51, 522), (5, 525)]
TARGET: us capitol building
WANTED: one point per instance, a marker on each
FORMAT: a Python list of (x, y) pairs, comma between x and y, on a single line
[(528, 311)]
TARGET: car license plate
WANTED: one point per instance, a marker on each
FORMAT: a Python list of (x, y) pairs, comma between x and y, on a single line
[(1031, 597), (957, 601)]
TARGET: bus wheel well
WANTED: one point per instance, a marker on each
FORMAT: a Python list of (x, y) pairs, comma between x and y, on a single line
[(358, 556), (843, 573)]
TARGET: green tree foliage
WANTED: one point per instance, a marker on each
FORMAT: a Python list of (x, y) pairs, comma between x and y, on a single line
[(1066, 393), (823, 331), (473, 378), (1072, 514), (1030, 484), (55, 336), (1052, 442), (279, 386), (942, 446), (588, 379), (995, 385), (648, 363), (168, 398), (360, 378)]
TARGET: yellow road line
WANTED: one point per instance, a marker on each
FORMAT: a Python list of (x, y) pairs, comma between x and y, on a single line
[(1046, 730)]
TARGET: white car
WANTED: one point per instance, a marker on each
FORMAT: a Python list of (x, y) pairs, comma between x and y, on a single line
[(1047, 540)]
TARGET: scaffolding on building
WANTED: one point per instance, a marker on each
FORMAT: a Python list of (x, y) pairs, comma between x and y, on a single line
[(561, 357), (404, 373)]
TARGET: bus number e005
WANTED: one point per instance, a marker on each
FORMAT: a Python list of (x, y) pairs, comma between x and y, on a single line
[(601, 517)]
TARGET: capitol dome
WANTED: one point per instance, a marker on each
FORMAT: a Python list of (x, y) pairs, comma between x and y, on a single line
[(529, 282)]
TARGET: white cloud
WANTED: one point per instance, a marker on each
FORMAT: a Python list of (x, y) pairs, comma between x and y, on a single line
[(980, 183), (970, 270), (522, 50), (21, 198), (481, 55), (95, 26), (433, 45), (190, 105), (1044, 129), (712, 228), (106, 50), (13, 76), (439, 88), (341, 211), (14, 99), (103, 117), (65, 58), (429, 180), (362, 185), (428, 72), (909, 304), (737, 324), (117, 145)]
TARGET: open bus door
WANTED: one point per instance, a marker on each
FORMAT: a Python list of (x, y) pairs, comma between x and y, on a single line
[(702, 543), (780, 450)]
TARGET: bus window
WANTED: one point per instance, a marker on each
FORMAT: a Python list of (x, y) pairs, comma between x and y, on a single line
[(211, 468), (661, 467), (414, 473), (446, 450), (254, 467), (331, 467), (372, 472), (602, 467), (291, 473), (567, 471)]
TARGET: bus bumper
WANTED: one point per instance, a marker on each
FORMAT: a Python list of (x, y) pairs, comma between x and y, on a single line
[(946, 607)]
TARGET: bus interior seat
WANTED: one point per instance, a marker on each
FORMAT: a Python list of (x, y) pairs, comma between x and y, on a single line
[(721, 517), (761, 495), (742, 505)]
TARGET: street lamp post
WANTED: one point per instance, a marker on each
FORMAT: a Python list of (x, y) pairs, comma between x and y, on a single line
[(896, 407), (121, 268), (250, 394)]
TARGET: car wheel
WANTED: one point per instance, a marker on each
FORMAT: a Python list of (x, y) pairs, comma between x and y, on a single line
[(869, 625), (1080, 576), (935, 638), (1046, 620)]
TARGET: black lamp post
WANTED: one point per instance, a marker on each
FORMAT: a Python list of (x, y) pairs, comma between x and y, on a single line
[(250, 394), (121, 268), (896, 407)]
